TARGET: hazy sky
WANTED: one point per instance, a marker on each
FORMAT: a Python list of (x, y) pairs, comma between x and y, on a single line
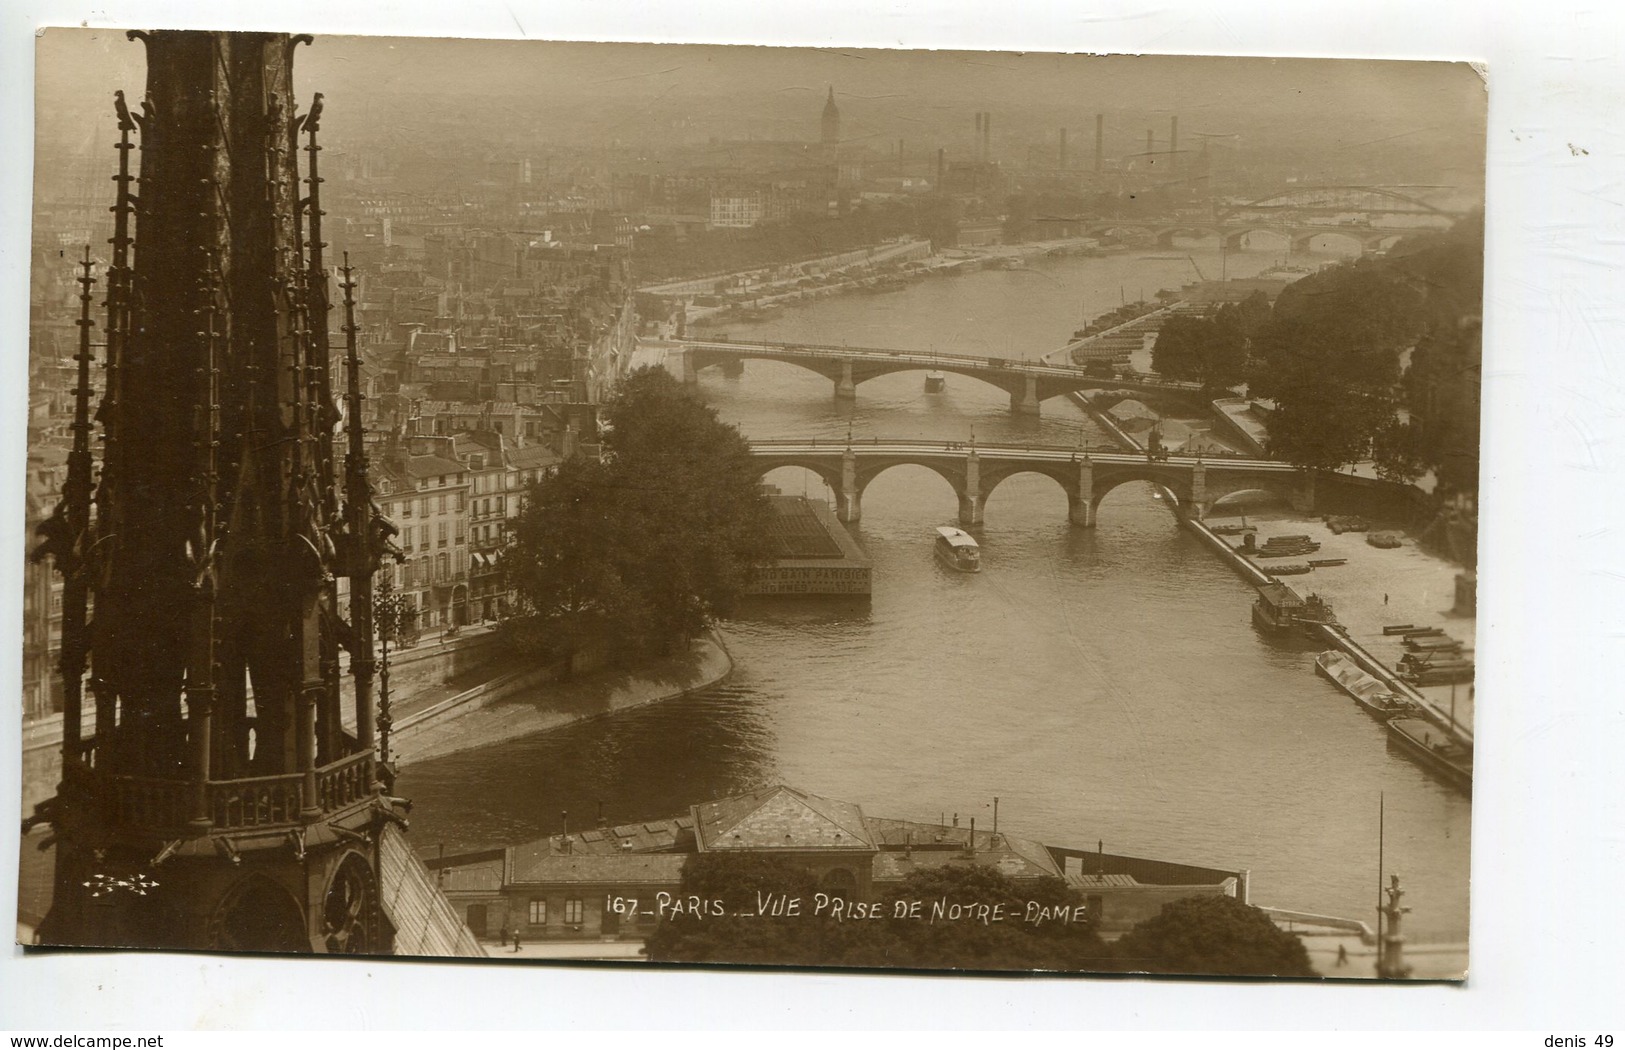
[(880, 92)]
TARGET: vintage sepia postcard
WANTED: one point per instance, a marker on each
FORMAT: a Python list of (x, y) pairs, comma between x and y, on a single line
[(923, 510)]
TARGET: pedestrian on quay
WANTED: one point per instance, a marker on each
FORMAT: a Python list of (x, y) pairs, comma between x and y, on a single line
[(516, 942), (1342, 955), (1385, 599)]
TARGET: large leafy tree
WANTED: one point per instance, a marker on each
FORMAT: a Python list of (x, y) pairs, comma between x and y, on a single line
[(1329, 358), (1213, 935), (641, 551)]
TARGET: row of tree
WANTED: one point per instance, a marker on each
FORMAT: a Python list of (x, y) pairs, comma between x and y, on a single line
[(1196, 935), (636, 553)]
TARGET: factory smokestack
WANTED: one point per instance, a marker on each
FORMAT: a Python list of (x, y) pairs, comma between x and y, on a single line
[(1173, 141), (1062, 164), (1100, 140)]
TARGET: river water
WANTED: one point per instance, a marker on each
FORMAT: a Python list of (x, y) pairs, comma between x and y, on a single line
[(1104, 684)]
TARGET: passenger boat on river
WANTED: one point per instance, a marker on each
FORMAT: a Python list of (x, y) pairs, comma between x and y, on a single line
[(958, 549)]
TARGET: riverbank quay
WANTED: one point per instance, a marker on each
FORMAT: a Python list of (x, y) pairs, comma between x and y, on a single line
[(537, 701), (1373, 589)]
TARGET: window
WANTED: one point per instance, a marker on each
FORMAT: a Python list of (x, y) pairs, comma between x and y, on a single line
[(572, 911), (423, 538), (459, 534), (442, 483), (460, 501), (440, 534), (501, 503), (461, 563), (406, 508), (442, 567), (423, 507), (442, 503), (538, 913), (406, 538)]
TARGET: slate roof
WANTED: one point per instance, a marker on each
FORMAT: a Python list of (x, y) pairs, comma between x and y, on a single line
[(781, 818), (432, 466), (662, 869), (532, 456)]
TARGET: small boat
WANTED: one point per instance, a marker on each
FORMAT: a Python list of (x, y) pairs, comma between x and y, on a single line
[(1442, 753), (1337, 668), (958, 549), (934, 382)]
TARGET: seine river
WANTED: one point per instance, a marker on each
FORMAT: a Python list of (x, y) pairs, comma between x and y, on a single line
[(1104, 684)]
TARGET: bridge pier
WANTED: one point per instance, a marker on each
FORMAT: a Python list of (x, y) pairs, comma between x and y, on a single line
[(1198, 501), (845, 388), (970, 500), (1026, 402), (690, 375), (733, 367), (1081, 509), (1303, 494), (848, 498)]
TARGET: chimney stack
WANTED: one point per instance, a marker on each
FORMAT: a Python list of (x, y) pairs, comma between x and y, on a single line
[(1062, 163), (1100, 140)]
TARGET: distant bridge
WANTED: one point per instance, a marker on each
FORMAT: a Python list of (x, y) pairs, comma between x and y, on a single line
[(1085, 475), (1233, 231), (1371, 216), (1027, 383)]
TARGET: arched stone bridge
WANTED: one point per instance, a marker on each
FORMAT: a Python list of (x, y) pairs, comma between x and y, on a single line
[(1028, 383), (1086, 476), (1233, 232)]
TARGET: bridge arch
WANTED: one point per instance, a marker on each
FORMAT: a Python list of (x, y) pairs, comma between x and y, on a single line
[(866, 475), (1232, 502), (828, 473), (993, 475), (1174, 481)]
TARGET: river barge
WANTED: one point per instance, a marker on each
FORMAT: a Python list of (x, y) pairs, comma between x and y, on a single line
[(1444, 754), (1337, 668)]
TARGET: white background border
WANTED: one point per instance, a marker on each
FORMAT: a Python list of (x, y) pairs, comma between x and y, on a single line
[(1546, 930)]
